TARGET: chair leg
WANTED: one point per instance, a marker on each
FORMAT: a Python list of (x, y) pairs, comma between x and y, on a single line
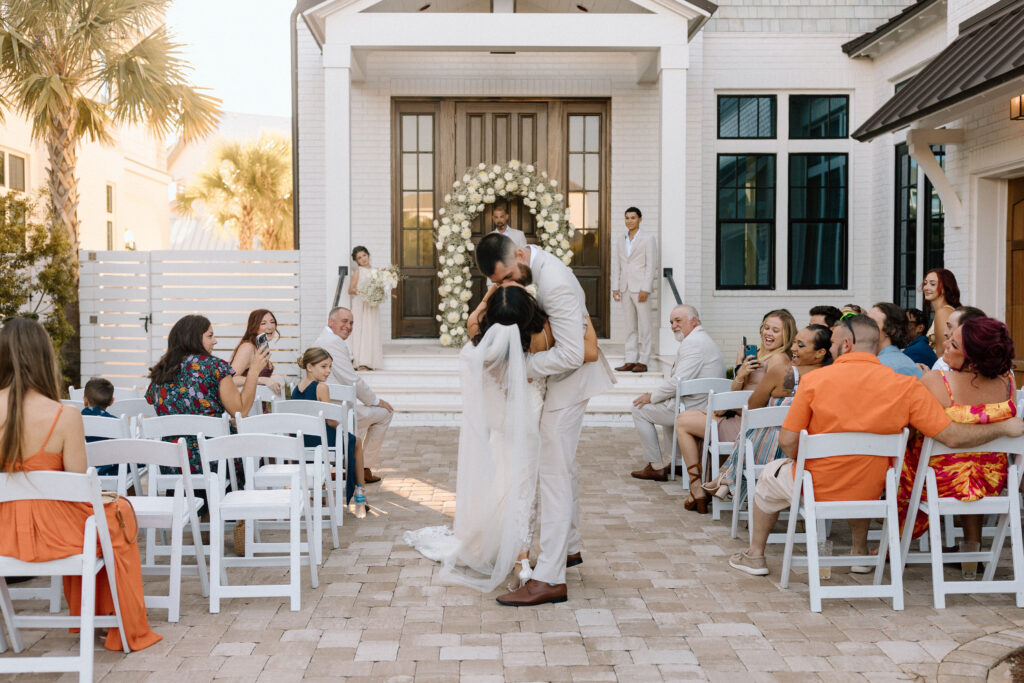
[(56, 591), (216, 553), (7, 610), (294, 590), (892, 531), (813, 562), (935, 540), (316, 532), (197, 540), (1016, 551), (174, 577), (331, 511), (86, 635)]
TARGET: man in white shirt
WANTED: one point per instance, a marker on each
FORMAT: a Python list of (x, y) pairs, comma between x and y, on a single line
[(698, 357), (372, 418), (499, 218), (634, 260)]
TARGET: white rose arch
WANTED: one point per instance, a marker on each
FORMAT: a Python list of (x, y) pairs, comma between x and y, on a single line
[(481, 186)]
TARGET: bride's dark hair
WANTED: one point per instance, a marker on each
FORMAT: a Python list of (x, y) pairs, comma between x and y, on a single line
[(513, 306)]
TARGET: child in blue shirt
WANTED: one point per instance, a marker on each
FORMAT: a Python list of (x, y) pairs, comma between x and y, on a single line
[(99, 394)]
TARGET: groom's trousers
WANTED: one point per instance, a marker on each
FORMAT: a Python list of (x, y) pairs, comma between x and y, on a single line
[(558, 489)]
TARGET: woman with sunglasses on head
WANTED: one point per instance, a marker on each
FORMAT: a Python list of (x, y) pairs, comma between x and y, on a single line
[(978, 389), (778, 330), (941, 297)]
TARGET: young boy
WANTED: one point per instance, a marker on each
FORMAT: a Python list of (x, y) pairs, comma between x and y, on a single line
[(99, 394)]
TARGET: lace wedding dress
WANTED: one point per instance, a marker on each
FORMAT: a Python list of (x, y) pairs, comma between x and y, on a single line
[(496, 484)]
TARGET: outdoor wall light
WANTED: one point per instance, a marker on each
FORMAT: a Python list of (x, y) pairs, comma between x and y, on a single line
[(1017, 108)]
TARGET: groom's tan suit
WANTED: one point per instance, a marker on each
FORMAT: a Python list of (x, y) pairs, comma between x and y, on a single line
[(571, 385)]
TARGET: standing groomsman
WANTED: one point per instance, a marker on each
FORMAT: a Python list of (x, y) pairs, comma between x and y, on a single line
[(633, 265), (499, 218)]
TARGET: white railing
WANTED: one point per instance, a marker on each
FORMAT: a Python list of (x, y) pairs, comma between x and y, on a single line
[(131, 299)]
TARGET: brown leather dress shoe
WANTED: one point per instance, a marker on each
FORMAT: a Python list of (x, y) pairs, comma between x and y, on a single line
[(534, 593), (651, 473), (639, 367), (626, 367), (573, 560), (368, 476)]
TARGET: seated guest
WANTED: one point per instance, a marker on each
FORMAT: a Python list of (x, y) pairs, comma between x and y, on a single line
[(38, 434), (958, 317), (918, 349), (852, 308), (978, 390), (97, 397), (885, 403), (697, 357), (374, 416), (778, 330), (316, 363), (892, 327), (825, 315), (189, 380), (811, 351), (261, 321)]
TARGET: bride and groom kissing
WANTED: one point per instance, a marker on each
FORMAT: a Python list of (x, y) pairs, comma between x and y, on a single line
[(526, 378)]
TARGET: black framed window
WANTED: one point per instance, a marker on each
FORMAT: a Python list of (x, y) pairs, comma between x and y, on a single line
[(906, 279), (745, 207), (746, 116), (815, 117), (818, 187)]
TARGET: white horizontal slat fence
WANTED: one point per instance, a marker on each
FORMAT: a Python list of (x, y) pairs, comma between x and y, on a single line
[(130, 301)]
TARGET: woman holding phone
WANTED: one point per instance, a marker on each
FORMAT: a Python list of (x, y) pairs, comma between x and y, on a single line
[(260, 330), (778, 331)]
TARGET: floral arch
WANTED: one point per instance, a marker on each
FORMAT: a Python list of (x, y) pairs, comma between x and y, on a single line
[(478, 187)]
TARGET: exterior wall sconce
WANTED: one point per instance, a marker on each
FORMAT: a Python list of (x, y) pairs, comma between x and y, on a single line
[(1017, 108)]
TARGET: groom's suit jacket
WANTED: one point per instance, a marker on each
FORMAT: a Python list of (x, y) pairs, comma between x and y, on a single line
[(570, 380)]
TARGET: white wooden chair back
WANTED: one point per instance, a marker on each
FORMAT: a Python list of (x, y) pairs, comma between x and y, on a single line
[(838, 445), (690, 387), (1006, 508), (120, 393), (74, 488), (164, 426), (714, 448), (108, 428), (132, 406), (345, 394), (746, 470)]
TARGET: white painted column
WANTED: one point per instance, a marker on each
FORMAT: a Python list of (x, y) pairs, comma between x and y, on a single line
[(673, 62), (337, 166)]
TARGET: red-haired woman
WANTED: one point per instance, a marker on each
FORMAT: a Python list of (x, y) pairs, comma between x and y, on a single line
[(261, 321), (979, 389), (941, 297)]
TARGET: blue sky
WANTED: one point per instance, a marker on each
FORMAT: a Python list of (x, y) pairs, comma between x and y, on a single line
[(239, 50)]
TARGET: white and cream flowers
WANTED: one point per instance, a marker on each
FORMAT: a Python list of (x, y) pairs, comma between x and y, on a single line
[(478, 187)]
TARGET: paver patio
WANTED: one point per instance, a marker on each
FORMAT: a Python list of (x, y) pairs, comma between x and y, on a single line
[(654, 599)]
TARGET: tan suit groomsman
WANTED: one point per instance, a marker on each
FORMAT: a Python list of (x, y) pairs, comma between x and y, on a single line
[(633, 267), (499, 218)]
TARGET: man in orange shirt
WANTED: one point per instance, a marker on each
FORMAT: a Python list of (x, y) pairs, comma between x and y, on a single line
[(855, 394)]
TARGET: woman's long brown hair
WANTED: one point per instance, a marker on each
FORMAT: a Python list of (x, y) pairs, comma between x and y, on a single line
[(27, 363)]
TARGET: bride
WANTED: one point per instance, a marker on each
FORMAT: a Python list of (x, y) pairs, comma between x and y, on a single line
[(499, 443)]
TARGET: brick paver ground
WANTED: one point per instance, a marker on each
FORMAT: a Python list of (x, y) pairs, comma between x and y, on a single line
[(654, 599)]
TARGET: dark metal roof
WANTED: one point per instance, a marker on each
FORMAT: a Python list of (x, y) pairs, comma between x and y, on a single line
[(903, 17), (986, 56)]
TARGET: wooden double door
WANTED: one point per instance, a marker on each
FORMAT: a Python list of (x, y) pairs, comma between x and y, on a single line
[(435, 141)]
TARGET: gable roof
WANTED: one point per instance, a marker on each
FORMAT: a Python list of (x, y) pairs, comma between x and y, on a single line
[(920, 11), (986, 55)]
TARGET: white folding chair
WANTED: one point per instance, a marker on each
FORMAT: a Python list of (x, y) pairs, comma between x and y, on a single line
[(714, 448), (253, 505), (112, 428), (120, 393), (345, 394), (843, 444), (174, 426), (692, 387), (278, 474), (746, 470), (72, 403), (264, 394), (132, 406), (1006, 507), (160, 512), (74, 488), (338, 454)]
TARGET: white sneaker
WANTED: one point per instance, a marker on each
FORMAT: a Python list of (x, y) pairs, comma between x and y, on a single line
[(755, 566)]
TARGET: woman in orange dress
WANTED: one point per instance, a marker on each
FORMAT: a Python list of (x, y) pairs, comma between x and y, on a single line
[(978, 390), (36, 433)]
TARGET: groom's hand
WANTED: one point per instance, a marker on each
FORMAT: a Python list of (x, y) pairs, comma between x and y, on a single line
[(642, 400)]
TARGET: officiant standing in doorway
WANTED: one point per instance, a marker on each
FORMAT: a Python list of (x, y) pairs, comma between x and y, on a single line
[(633, 268)]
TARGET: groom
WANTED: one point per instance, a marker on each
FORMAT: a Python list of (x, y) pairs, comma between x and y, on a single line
[(571, 384)]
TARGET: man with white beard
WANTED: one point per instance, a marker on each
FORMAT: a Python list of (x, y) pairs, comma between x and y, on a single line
[(698, 357)]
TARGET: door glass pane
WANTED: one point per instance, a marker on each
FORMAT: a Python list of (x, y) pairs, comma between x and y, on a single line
[(575, 133), (409, 209), (592, 174), (426, 255), (593, 135), (409, 133), (591, 250), (409, 171), (426, 133), (410, 247), (576, 208), (576, 172), (593, 212), (426, 172)]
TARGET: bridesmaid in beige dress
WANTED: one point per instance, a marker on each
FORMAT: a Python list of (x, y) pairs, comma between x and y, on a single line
[(367, 352)]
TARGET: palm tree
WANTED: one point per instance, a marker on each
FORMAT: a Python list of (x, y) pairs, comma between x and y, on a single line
[(247, 188), (83, 68)]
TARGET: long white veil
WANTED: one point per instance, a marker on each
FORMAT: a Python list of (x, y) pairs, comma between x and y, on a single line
[(497, 466)]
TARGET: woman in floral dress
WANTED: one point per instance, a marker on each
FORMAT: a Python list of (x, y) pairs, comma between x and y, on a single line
[(190, 380)]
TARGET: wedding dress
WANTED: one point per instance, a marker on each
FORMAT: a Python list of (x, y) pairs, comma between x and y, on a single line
[(496, 483)]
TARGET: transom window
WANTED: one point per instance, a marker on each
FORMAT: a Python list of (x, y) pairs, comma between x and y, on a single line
[(746, 116), (818, 116)]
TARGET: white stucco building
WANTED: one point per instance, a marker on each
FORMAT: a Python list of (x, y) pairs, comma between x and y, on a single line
[(123, 188), (731, 126)]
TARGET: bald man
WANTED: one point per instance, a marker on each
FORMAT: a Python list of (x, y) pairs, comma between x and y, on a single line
[(697, 357)]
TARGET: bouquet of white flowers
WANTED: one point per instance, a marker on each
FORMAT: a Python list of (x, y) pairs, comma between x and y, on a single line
[(376, 287)]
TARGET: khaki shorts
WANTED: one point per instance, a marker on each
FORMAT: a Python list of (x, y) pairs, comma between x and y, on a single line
[(774, 489)]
